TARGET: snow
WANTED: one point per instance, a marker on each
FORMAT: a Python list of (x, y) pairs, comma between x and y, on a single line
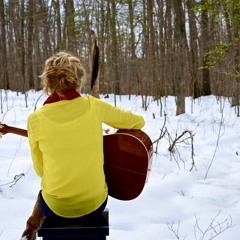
[(176, 203)]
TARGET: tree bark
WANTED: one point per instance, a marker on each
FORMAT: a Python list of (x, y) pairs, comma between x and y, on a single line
[(205, 41), (4, 81), (59, 29), (70, 26), (181, 51), (194, 52), (31, 4), (114, 49)]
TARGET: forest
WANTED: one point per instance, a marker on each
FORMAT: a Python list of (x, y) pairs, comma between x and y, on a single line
[(158, 48)]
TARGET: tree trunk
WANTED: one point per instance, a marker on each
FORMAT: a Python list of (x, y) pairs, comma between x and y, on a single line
[(205, 41), (59, 29), (180, 55), (21, 46), (194, 52), (169, 55), (4, 81), (70, 26), (114, 49), (94, 65), (151, 56), (161, 87), (236, 57), (31, 4)]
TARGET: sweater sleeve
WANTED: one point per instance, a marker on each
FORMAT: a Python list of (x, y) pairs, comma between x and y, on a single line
[(118, 118), (36, 154)]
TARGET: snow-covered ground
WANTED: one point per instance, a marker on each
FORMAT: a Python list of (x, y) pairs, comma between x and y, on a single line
[(176, 203)]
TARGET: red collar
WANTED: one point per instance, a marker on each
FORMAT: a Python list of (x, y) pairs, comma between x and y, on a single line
[(68, 95)]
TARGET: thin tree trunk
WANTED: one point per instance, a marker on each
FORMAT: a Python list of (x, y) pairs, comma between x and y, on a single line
[(21, 46), (194, 51), (70, 26), (133, 83), (114, 50), (31, 4), (59, 29), (4, 81), (161, 88), (169, 56), (151, 56), (205, 41), (181, 56), (236, 57)]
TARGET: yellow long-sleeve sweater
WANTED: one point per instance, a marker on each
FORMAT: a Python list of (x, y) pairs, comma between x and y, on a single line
[(66, 145)]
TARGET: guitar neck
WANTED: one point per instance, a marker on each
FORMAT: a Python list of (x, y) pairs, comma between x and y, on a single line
[(9, 129)]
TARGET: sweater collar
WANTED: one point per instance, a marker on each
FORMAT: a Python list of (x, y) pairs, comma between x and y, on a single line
[(68, 95)]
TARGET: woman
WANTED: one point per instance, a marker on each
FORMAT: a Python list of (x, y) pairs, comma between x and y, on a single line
[(66, 143)]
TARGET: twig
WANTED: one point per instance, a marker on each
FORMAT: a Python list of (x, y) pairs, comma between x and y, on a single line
[(192, 153), (15, 154), (177, 140), (214, 228), (14, 181), (216, 147), (35, 105), (174, 230), (162, 132)]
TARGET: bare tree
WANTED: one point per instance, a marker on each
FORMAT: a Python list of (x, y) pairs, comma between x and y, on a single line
[(70, 26), (114, 47), (181, 51), (150, 48), (4, 81), (205, 41), (194, 64), (30, 24)]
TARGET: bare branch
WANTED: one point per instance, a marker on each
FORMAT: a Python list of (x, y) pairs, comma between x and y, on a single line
[(214, 228), (14, 181), (162, 132), (179, 139), (216, 147), (175, 230)]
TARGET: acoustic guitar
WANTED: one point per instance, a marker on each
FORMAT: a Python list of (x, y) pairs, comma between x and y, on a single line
[(127, 160)]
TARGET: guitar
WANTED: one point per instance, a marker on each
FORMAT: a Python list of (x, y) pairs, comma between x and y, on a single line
[(127, 160)]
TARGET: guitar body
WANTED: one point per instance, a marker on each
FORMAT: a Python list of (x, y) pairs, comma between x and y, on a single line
[(127, 162)]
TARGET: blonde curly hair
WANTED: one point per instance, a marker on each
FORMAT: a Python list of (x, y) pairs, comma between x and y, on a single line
[(62, 72)]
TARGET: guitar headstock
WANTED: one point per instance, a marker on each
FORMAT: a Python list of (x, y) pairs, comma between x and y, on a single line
[(3, 129)]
